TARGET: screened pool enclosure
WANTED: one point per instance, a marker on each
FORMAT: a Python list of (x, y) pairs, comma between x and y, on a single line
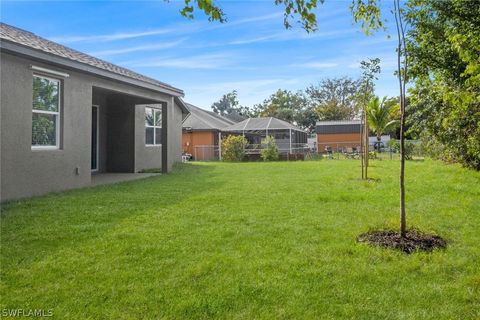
[(289, 138)]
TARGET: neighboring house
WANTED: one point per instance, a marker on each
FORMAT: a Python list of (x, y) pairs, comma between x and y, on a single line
[(66, 115), (338, 134), (200, 135), (235, 117)]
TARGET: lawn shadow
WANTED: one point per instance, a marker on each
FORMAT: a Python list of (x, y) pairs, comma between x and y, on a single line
[(34, 229)]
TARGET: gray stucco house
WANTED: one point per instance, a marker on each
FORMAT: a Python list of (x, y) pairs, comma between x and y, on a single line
[(66, 115)]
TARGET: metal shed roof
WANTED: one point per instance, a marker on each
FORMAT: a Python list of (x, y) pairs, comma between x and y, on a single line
[(338, 126), (255, 124), (19, 41), (201, 119)]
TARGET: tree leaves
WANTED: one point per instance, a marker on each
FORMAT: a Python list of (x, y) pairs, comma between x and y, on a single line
[(444, 44)]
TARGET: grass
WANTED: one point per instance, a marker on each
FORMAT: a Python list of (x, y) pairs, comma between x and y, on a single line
[(247, 240)]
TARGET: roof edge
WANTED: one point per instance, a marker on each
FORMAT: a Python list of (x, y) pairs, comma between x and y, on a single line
[(48, 58), (183, 106)]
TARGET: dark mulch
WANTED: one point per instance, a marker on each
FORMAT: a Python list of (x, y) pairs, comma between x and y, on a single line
[(413, 241)]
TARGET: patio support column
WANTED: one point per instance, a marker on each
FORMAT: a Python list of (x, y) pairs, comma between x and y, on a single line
[(164, 137)]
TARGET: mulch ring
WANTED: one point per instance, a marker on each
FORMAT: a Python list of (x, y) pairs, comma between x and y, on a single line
[(412, 242)]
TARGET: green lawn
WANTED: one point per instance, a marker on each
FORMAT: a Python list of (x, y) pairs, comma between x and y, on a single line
[(247, 240)]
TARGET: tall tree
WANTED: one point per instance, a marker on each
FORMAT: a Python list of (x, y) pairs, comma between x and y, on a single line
[(335, 98), (288, 106), (301, 11), (229, 105), (444, 45)]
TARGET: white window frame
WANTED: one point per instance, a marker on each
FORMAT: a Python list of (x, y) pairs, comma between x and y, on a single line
[(154, 127), (55, 113)]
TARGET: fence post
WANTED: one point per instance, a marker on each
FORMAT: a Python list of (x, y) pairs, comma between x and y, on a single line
[(220, 146)]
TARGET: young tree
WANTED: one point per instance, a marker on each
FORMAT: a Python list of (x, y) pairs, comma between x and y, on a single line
[(402, 72), (370, 68)]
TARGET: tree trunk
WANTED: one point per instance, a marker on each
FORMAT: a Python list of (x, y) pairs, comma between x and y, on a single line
[(402, 75), (362, 153), (366, 146)]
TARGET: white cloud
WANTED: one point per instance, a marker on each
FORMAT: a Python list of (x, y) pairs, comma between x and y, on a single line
[(316, 65), (176, 29), (267, 17), (287, 35), (111, 37), (206, 61), (152, 47)]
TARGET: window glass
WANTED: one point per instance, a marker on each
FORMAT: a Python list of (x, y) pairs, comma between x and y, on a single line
[(149, 135), (45, 112), (44, 129), (149, 117), (158, 135), (45, 94), (158, 118), (153, 126)]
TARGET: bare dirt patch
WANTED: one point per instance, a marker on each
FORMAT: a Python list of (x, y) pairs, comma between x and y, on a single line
[(413, 241)]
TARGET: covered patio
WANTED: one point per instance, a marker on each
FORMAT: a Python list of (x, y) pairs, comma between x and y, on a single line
[(289, 138)]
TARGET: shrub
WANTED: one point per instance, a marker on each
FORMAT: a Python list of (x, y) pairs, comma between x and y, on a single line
[(270, 150), (233, 148), (394, 145), (410, 148)]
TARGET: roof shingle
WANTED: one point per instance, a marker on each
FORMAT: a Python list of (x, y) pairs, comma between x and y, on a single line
[(30, 40), (200, 119)]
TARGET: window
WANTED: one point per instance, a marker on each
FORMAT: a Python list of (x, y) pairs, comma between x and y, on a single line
[(45, 113), (153, 127)]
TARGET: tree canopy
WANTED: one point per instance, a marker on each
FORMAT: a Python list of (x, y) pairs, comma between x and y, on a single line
[(229, 105), (335, 98), (288, 106), (444, 45)]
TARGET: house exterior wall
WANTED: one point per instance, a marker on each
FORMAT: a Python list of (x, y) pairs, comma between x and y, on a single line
[(197, 138), (337, 140), (175, 134), (26, 172)]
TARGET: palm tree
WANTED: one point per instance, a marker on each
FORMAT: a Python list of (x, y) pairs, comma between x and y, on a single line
[(381, 116)]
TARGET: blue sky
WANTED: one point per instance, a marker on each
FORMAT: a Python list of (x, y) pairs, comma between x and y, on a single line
[(252, 52)]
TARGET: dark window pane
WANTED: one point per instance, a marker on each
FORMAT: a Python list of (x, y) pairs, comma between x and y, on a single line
[(158, 118), (149, 135), (148, 117), (45, 94), (44, 129), (158, 135)]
